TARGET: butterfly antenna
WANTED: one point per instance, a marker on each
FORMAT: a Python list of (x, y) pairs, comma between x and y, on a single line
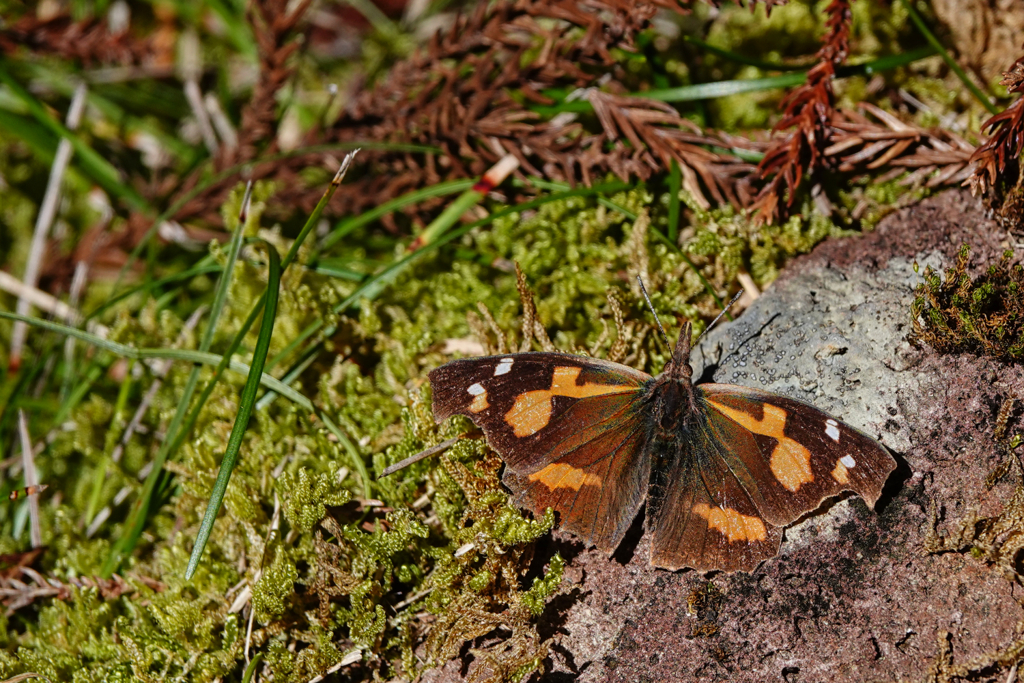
[(651, 306), (719, 317)]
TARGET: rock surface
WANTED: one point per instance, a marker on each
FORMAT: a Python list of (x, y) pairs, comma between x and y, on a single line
[(852, 596)]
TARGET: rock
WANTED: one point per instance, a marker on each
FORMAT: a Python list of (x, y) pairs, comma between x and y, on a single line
[(852, 596)]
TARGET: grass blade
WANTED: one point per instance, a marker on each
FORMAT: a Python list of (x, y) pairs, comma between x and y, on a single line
[(184, 355), (140, 511), (245, 406), (710, 91), (314, 217), (250, 670), (349, 224), (88, 159), (716, 89), (205, 266), (100, 477), (742, 59), (491, 179)]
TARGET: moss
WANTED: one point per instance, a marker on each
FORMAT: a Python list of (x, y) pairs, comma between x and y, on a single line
[(274, 587), (725, 242), (984, 314), (863, 203), (705, 603), (310, 494)]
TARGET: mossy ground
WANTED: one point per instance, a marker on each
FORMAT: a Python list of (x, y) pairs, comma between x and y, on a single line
[(332, 571)]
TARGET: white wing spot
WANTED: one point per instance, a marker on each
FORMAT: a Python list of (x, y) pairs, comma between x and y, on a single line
[(831, 428), (503, 367), (476, 389), (848, 462)]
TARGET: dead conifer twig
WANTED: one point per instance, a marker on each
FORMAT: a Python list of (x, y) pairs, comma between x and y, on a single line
[(499, 335), (998, 159), (809, 109), (529, 310)]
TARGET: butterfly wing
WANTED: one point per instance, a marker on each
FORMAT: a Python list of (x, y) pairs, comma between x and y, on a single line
[(699, 514), (570, 430), (751, 462), (596, 488), (789, 456), (533, 406)]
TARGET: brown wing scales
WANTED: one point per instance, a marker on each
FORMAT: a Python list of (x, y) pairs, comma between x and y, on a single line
[(597, 488), (533, 406), (700, 516)]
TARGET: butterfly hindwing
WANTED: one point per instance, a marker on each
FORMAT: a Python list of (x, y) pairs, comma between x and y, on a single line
[(788, 455), (569, 429), (596, 488), (698, 513)]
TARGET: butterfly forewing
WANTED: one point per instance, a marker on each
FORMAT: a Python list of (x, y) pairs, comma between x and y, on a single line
[(788, 455), (567, 428), (534, 406)]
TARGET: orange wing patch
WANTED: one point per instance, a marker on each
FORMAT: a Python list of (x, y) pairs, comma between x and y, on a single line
[(843, 466), (479, 395), (840, 473), (791, 461), (732, 524), (561, 476), (532, 410)]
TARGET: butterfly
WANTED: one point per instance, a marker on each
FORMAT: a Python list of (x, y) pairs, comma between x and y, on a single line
[(722, 468)]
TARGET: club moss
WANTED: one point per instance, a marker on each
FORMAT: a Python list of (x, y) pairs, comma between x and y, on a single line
[(959, 313)]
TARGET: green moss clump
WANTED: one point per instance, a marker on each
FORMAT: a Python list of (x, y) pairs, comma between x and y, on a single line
[(985, 314), (724, 242), (310, 496)]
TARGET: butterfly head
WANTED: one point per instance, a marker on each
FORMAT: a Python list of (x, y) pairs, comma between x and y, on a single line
[(679, 367)]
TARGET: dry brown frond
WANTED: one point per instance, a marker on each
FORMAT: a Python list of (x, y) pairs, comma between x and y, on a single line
[(809, 109), (997, 161), (937, 157), (89, 42)]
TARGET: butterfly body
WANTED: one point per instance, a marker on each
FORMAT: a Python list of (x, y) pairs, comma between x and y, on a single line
[(722, 468)]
